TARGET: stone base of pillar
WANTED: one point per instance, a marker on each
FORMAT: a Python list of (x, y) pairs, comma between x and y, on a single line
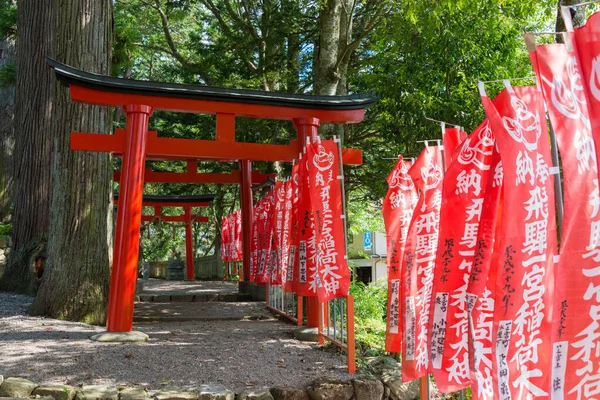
[(120, 337), (256, 291)]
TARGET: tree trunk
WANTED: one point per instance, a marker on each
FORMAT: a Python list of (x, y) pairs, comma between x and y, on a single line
[(7, 137), (32, 178), (327, 76), (75, 284), (578, 15)]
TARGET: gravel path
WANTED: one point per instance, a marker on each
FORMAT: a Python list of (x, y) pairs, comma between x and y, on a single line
[(238, 354)]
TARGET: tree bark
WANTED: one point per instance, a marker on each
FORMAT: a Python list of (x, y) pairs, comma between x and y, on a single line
[(7, 137), (76, 281), (578, 15), (32, 178)]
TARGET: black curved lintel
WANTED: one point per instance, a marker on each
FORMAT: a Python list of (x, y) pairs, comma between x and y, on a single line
[(69, 75)]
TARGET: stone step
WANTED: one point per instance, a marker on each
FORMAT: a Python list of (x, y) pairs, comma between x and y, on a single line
[(189, 298)]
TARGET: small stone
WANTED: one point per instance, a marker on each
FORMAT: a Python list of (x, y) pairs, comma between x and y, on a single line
[(285, 393), (57, 392), (16, 387), (215, 392), (366, 388), (123, 337), (134, 393), (175, 393), (97, 392), (254, 395), (306, 334), (331, 389)]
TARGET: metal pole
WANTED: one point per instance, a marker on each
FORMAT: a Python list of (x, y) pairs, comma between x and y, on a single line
[(560, 209)]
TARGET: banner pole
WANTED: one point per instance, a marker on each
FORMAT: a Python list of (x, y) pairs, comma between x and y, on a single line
[(344, 216), (560, 209)]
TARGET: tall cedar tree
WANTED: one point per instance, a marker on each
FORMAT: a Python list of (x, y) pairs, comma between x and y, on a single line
[(76, 280), (33, 138)]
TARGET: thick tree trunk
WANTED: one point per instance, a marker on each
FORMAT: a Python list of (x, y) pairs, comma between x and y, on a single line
[(327, 76), (7, 137), (75, 284), (577, 13), (32, 178)]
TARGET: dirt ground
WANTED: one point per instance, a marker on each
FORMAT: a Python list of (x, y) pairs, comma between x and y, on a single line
[(239, 352)]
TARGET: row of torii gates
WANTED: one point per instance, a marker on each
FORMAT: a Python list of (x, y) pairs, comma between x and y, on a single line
[(135, 144)]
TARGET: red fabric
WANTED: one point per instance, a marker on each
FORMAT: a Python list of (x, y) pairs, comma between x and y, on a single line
[(333, 276), (277, 249), (418, 263), (451, 139), (586, 41), (238, 236), (398, 207), (258, 208), (224, 239), (265, 239), (575, 325), (527, 245), (307, 252), (462, 202), (286, 236), (293, 259), (482, 286)]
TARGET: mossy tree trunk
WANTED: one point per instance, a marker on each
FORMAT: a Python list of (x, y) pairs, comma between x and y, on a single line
[(32, 152), (76, 281)]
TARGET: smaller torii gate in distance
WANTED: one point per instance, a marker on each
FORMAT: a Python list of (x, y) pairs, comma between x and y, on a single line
[(185, 202), (136, 144)]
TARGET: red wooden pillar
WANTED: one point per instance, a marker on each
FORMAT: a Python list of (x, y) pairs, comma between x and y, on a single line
[(307, 128), (129, 214), (247, 210), (189, 246)]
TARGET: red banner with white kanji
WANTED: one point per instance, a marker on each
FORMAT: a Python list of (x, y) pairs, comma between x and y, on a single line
[(452, 138), (524, 280), (275, 262), (286, 235), (294, 226), (576, 333), (238, 236), (265, 233), (256, 238), (463, 194), (398, 207), (306, 277), (482, 287), (418, 263), (333, 275)]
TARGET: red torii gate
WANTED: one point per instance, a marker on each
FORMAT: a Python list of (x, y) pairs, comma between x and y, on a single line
[(186, 202), (136, 144)]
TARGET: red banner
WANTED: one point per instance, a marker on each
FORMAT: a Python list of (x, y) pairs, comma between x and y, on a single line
[(256, 239), (418, 263), (464, 188), (265, 233), (482, 287), (277, 234), (286, 235), (523, 307), (398, 207), (576, 332), (452, 137), (305, 282), (333, 275), (294, 226), (238, 236), (225, 239)]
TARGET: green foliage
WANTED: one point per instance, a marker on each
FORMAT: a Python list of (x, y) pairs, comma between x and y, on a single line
[(8, 74), (8, 19), (370, 304), (5, 229)]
